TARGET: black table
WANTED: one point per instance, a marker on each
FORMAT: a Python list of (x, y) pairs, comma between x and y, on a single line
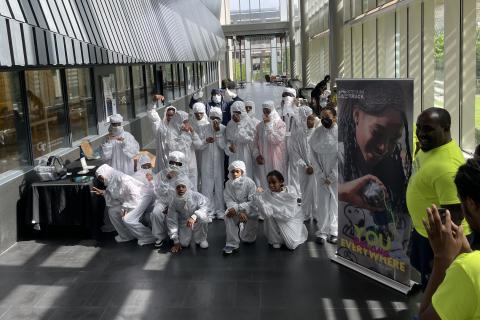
[(65, 203)]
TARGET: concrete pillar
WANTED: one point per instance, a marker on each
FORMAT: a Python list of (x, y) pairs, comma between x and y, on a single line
[(291, 38), (335, 41), (248, 61), (304, 41)]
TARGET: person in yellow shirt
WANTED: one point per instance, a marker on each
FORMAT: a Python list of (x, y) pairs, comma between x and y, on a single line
[(434, 168), (453, 290)]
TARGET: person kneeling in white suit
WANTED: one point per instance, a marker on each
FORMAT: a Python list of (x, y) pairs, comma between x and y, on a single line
[(164, 189), (125, 198), (187, 216), (241, 218), (283, 217)]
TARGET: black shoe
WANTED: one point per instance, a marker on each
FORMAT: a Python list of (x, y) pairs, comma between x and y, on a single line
[(159, 243), (320, 240), (332, 240)]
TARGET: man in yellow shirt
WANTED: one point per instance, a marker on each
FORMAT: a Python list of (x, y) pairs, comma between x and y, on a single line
[(434, 168), (453, 290)]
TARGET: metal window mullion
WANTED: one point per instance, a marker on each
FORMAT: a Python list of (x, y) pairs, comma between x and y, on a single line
[(26, 115), (132, 90), (64, 89)]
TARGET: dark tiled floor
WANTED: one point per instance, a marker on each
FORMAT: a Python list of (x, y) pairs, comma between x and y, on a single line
[(78, 280)]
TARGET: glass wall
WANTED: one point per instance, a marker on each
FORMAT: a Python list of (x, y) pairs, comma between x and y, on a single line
[(138, 90), (256, 11), (189, 75), (13, 133), (124, 95), (181, 74), (167, 82), (46, 111), (176, 87), (150, 80), (434, 42), (81, 110), (477, 75)]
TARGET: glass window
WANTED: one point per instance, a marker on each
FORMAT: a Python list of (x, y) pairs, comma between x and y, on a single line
[(181, 73), (189, 75), (138, 89), (124, 95), (13, 136), (176, 88), (477, 82), (80, 103), (439, 53), (168, 82), (150, 79), (46, 111)]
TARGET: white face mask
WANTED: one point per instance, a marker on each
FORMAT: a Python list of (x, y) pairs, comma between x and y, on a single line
[(217, 98), (288, 100), (116, 130)]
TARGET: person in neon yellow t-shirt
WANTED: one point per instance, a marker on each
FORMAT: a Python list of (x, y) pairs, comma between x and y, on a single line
[(434, 167), (453, 290)]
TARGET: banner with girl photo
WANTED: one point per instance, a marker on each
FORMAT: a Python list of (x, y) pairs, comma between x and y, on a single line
[(375, 146)]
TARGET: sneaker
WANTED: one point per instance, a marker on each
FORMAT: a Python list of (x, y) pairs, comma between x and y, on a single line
[(276, 246), (229, 250), (204, 244), (159, 243), (145, 243), (320, 240), (332, 239), (120, 239)]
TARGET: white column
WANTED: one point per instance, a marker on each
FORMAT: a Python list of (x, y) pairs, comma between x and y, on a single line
[(428, 50), (273, 59), (248, 61), (469, 77)]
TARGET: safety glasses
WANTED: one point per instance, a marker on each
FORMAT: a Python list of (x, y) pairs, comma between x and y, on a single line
[(174, 163)]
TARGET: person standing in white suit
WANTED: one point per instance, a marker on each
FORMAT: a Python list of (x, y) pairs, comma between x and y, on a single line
[(240, 133), (269, 148), (301, 156), (213, 155), (120, 147), (324, 144), (163, 131), (241, 218)]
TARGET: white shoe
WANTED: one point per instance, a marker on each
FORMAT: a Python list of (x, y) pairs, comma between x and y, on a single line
[(276, 246), (204, 244), (120, 239)]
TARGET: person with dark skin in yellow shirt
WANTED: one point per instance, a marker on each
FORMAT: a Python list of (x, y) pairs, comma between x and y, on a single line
[(434, 167), (453, 290)]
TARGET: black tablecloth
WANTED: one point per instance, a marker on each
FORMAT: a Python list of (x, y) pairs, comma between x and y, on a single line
[(63, 203)]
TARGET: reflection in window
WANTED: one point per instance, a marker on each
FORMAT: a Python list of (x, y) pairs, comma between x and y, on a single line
[(124, 97), (168, 82), (189, 75), (182, 79), (150, 79), (439, 53), (13, 138), (477, 78), (46, 111), (80, 103), (138, 90)]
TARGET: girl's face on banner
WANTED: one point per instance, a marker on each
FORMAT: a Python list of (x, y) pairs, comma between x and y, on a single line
[(377, 135)]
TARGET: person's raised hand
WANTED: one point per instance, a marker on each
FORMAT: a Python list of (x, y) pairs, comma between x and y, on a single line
[(149, 176), (446, 239), (232, 148), (210, 140), (351, 192), (177, 247)]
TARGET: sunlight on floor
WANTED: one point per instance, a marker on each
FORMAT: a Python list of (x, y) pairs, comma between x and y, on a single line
[(157, 261)]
